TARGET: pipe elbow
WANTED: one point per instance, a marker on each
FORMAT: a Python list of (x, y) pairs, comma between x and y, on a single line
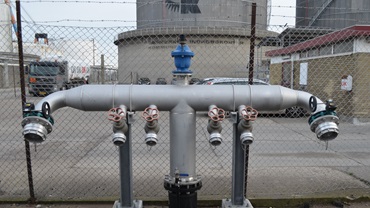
[(56, 101)]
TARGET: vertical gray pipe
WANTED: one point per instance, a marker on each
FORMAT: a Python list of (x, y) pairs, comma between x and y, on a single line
[(182, 140), (125, 169), (237, 192)]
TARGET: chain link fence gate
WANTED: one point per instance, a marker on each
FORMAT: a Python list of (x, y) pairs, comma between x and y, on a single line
[(78, 161)]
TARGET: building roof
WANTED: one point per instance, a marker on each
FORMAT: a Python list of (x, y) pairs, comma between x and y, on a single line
[(340, 35), (291, 36)]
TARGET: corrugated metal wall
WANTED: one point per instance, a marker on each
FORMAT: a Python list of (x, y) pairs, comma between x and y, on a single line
[(334, 14)]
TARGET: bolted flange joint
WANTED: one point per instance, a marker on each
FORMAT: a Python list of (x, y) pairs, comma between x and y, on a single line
[(36, 124), (325, 123)]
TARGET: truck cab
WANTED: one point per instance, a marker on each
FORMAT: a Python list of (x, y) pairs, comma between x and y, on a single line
[(46, 77), (53, 74)]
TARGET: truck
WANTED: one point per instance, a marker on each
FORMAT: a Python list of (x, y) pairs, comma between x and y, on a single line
[(52, 74)]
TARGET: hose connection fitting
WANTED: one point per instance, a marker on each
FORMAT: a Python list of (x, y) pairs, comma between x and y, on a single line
[(325, 123), (118, 116), (36, 124), (150, 114), (214, 127), (247, 115)]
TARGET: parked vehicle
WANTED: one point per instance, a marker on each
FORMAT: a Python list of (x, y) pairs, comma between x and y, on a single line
[(173, 81), (161, 81), (230, 81), (293, 112), (194, 81), (143, 81), (55, 73)]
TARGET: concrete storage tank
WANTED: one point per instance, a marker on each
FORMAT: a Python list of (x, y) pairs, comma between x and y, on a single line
[(335, 14), (199, 13), (218, 29)]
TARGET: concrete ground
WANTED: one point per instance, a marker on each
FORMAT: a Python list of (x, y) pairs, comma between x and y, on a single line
[(286, 161)]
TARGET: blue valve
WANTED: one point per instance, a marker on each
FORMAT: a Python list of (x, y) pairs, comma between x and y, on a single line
[(182, 56)]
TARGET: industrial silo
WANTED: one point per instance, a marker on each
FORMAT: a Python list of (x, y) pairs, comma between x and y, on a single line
[(335, 14), (199, 13), (218, 31), (9, 64), (5, 29)]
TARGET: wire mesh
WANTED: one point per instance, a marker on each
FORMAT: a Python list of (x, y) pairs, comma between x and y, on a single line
[(79, 161)]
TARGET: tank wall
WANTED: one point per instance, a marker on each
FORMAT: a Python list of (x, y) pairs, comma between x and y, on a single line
[(158, 62), (5, 29), (339, 14), (199, 13)]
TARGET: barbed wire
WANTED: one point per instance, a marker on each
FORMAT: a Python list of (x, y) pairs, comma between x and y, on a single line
[(288, 18), (88, 2), (199, 4), (77, 20), (49, 22)]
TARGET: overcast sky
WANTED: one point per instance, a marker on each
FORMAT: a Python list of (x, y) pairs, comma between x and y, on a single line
[(120, 13)]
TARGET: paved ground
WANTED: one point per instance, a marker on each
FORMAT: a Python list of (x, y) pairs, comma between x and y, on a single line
[(286, 160)]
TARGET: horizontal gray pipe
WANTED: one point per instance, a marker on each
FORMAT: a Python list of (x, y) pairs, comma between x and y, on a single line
[(166, 97)]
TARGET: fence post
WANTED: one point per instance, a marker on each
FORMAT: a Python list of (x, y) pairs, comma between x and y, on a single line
[(238, 158), (24, 100), (251, 68), (102, 69)]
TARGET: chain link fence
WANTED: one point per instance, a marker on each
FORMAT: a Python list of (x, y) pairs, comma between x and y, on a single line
[(78, 161)]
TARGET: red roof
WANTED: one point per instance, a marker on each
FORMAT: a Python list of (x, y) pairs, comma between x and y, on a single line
[(354, 31)]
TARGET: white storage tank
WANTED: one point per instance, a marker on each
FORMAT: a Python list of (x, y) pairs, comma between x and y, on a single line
[(5, 28)]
